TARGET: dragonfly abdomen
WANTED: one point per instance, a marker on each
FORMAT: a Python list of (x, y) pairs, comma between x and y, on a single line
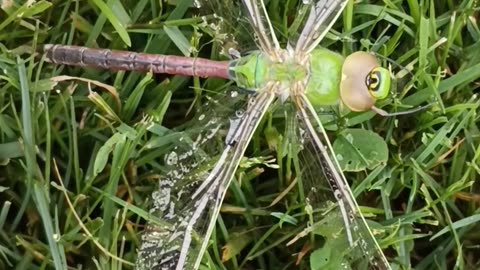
[(143, 62)]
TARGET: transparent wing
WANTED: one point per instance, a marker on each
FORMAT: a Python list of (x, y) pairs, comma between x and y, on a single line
[(353, 244), (192, 155), (244, 25), (322, 14), (247, 22), (232, 26), (262, 26), (189, 198)]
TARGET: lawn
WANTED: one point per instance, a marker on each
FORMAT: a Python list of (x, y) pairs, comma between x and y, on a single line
[(82, 150)]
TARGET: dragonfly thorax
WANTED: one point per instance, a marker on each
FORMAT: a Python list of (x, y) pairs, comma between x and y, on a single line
[(257, 69), (325, 76)]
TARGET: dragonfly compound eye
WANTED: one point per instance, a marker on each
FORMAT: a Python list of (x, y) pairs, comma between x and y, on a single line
[(378, 82), (354, 86)]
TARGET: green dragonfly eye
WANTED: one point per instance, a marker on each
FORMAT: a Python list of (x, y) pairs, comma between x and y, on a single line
[(363, 81), (378, 82)]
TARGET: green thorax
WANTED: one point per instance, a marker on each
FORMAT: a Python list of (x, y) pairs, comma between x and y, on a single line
[(323, 74)]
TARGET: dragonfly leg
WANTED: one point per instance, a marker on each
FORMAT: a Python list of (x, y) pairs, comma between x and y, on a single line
[(345, 216), (234, 54), (387, 114)]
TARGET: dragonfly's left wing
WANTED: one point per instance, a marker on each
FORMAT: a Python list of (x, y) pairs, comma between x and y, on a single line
[(262, 26), (349, 243), (189, 198), (322, 15)]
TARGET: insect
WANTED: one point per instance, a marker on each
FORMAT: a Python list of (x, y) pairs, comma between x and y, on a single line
[(293, 80)]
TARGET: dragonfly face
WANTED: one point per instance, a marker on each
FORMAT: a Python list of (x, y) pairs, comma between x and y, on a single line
[(363, 81)]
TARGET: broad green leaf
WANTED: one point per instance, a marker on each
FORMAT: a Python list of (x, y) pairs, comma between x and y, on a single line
[(335, 248), (331, 256), (359, 149), (320, 258)]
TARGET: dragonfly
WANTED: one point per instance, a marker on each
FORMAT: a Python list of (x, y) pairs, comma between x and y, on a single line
[(295, 80)]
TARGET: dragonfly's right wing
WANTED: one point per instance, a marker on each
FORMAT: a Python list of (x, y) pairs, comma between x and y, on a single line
[(188, 199), (349, 243), (322, 15)]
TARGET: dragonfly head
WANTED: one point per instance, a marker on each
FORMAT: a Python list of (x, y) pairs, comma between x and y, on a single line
[(363, 81)]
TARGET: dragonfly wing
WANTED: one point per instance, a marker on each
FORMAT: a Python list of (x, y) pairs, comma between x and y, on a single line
[(262, 26), (189, 198), (322, 14), (324, 184), (244, 25)]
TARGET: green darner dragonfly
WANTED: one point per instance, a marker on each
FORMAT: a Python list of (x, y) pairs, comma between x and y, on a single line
[(294, 79)]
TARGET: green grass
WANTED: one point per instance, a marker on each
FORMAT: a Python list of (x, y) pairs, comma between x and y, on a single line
[(103, 150)]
